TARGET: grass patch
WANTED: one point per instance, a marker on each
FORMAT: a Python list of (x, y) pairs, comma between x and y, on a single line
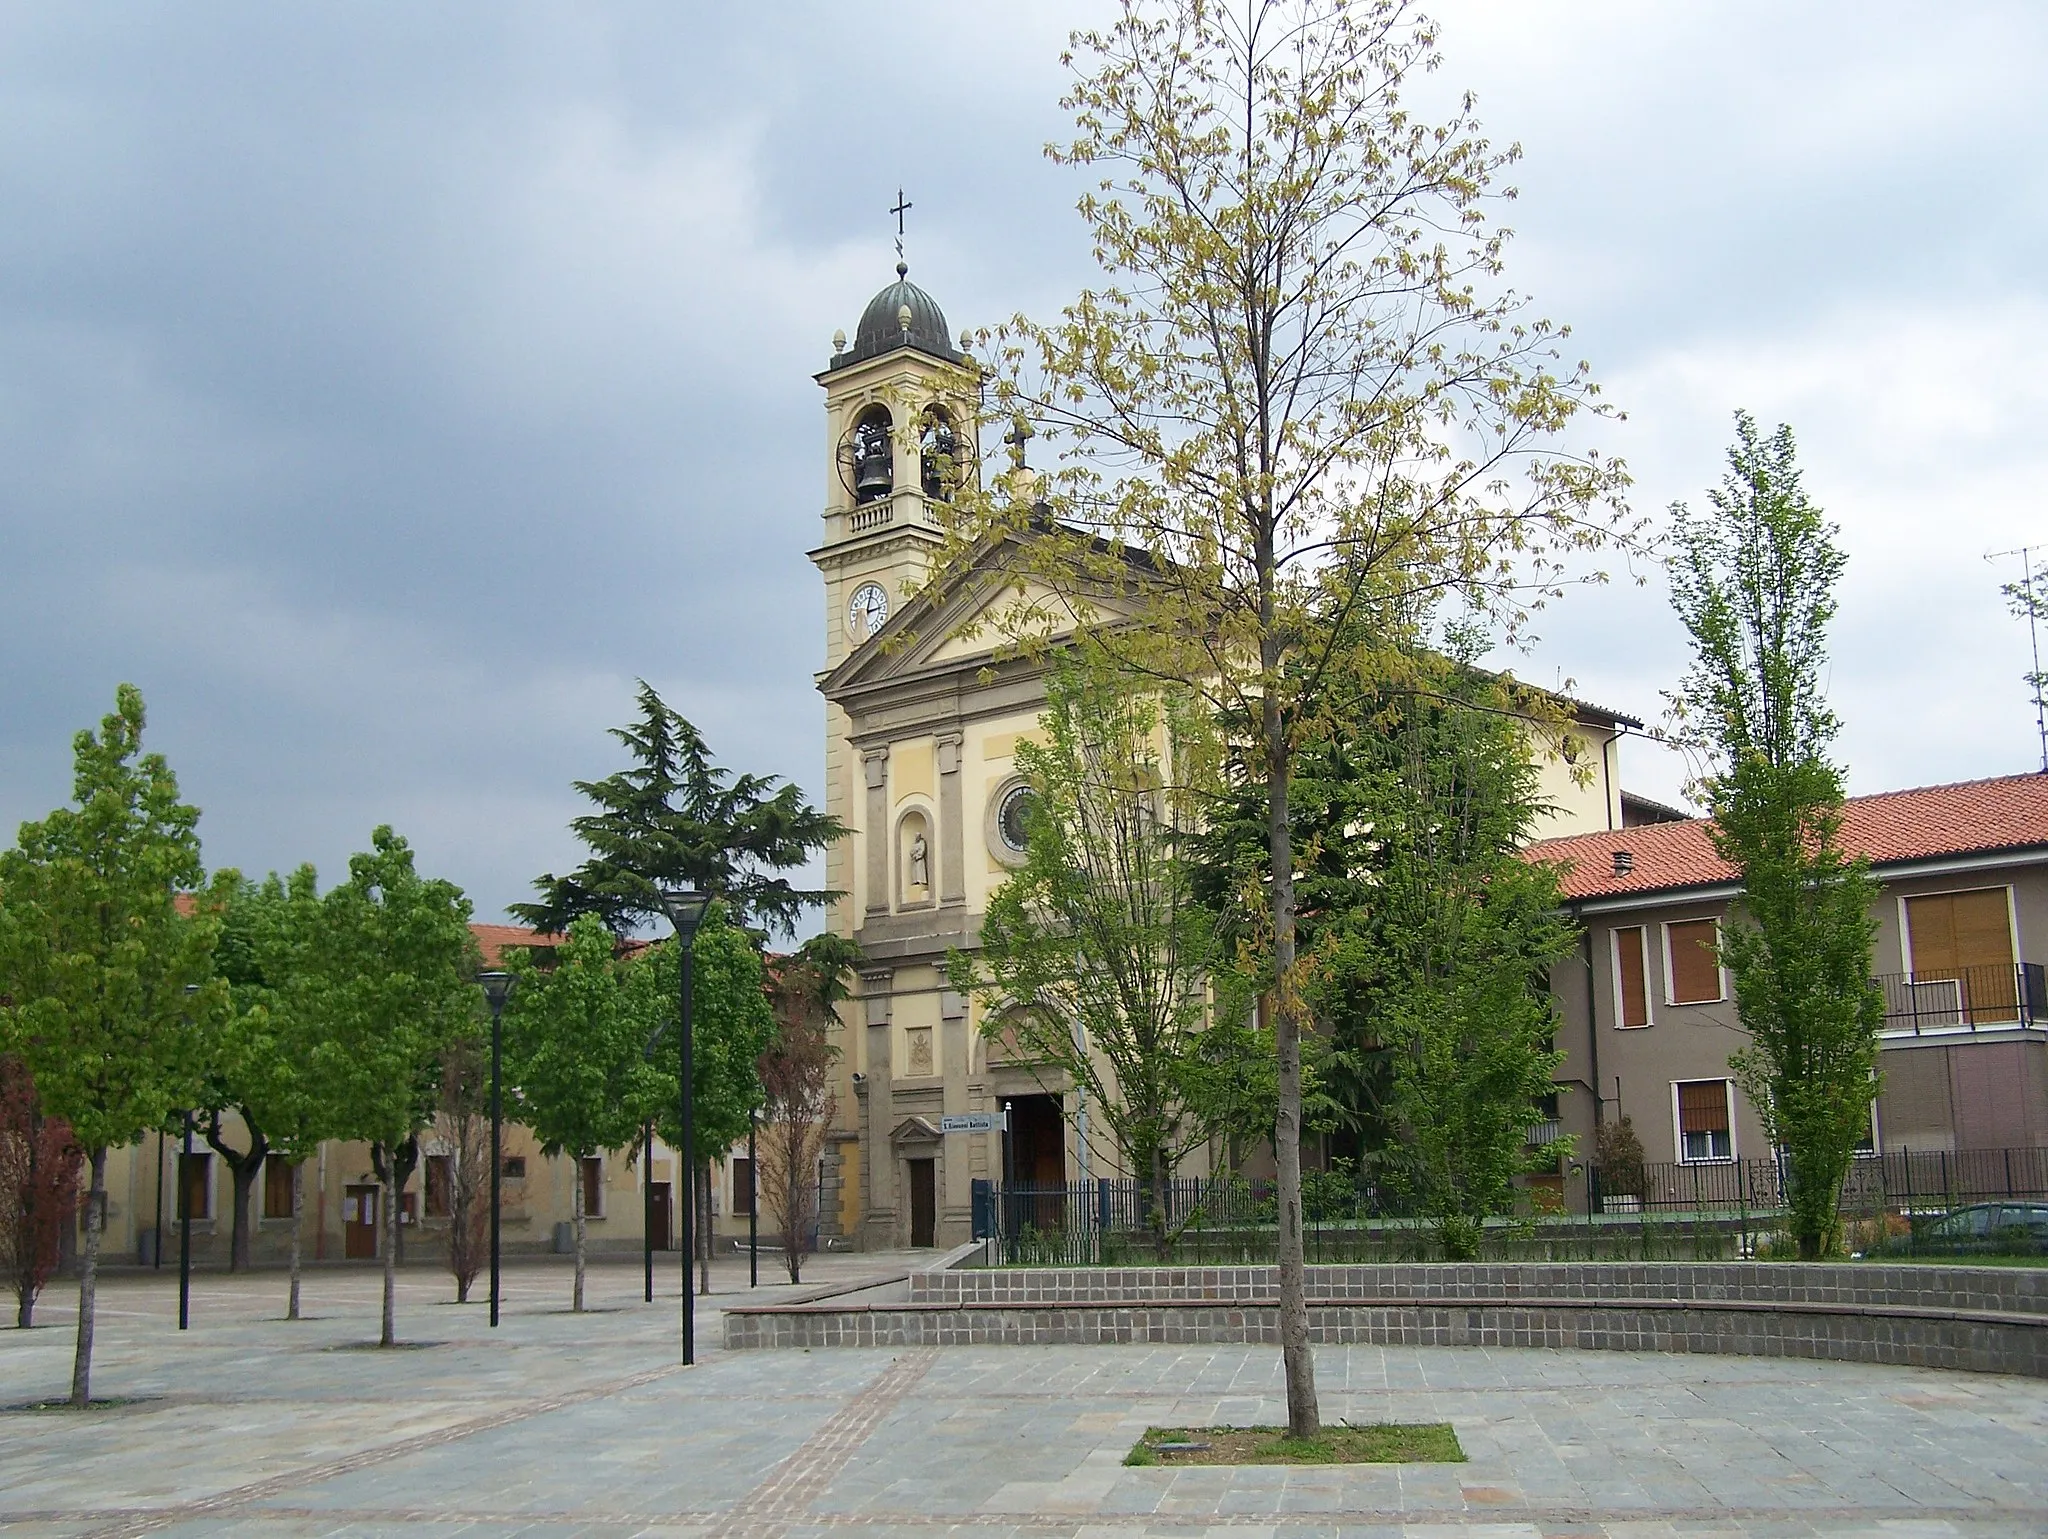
[(1431, 1442)]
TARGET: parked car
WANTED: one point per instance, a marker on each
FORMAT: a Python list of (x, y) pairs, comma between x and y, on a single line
[(1983, 1228)]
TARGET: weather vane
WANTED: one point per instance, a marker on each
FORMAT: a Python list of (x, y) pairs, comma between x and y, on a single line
[(902, 207)]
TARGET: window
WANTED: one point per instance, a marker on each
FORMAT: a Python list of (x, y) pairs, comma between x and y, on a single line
[(195, 1186), (1963, 940), (593, 1186), (515, 1167), (1692, 963), (440, 1185), (1631, 972), (1704, 1128), (742, 1187), (277, 1187)]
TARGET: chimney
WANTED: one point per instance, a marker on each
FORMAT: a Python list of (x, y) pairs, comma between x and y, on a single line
[(1624, 862)]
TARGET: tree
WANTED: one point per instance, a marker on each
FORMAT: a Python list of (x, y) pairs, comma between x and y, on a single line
[(677, 820), (258, 1058), (105, 974), (796, 1087), (1303, 390), (39, 1164), (1094, 953), (575, 1039), (1426, 938), (462, 1123), (390, 977), (731, 1026), (1754, 582)]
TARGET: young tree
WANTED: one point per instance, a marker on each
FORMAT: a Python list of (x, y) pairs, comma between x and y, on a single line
[(575, 1040), (39, 1165), (258, 1057), (104, 974), (1754, 582), (731, 1026), (390, 977), (677, 820), (1303, 388), (796, 1087), (1095, 954), (462, 1121)]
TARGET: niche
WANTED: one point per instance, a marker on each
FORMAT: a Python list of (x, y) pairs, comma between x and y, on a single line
[(916, 860)]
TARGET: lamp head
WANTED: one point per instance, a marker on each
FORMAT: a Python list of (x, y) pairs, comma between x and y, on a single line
[(497, 987), (685, 907)]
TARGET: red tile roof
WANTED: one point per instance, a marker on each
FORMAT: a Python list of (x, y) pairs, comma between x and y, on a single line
[(1968, 818), (492, 939)]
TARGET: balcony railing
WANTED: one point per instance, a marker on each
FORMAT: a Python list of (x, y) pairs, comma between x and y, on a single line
[(1964, 999)]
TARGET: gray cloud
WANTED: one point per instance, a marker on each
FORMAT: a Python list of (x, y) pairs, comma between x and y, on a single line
[(384, 391)]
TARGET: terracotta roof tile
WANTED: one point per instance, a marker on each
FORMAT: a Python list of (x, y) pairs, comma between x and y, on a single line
[(1968, 818), (492, 939)]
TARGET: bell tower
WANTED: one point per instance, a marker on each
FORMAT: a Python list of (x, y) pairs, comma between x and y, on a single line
[(899, 424)]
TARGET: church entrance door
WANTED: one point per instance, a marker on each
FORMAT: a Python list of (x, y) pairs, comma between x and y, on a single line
[(1038, 1160), (658, 1228), (924, 1205), (359, 1222)]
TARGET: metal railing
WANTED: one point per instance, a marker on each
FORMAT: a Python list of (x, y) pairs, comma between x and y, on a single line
[(1964, 999), (1196, 1221)]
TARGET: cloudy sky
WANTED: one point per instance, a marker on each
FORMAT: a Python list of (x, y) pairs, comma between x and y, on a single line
[(385, 389)]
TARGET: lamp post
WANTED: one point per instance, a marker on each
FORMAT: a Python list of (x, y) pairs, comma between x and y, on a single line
[(497, 987), (185, 1214), (647, 1208), (685, 908), (753, 1200)]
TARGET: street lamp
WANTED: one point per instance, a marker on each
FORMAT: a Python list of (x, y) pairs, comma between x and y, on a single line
[(685, 908), (497, 987), (185, 1214)]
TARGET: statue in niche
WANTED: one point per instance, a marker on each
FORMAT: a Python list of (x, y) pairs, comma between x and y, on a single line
[(920, 861)]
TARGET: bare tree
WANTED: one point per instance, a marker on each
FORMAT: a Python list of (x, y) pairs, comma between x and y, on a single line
[(464, 1125), (796, 1088), (39, 1165)]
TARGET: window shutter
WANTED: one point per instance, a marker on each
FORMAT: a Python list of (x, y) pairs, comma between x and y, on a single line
[(1695, 969), (1634, 1003), (1703, 1106)]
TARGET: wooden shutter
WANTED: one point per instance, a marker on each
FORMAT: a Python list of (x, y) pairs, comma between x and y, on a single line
[(1695, 966), (440, 1185), (593, 1187), (1703, 1106), (1950, 931), (1633, 1005), (742, 1187), (193, 1186), (277, 1187)]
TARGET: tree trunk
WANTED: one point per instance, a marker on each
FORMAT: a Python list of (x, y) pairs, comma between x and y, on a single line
[(240, 1247), (1304, 1419), (576, 1212), (389, 1336), (298, 1220), (88, 1280)]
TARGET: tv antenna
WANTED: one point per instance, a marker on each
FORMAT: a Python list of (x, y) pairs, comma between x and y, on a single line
[(2023, 590)]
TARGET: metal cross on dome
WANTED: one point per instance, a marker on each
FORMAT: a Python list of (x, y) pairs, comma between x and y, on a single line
[(903, 206)]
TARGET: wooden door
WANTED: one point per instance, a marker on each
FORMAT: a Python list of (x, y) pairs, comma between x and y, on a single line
[(924, 1192), (659, 1227), (359, 1223)]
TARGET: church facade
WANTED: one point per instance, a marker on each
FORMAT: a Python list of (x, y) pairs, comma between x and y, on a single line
[(921, 729)]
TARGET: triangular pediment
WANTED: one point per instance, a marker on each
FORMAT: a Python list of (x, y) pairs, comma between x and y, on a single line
[(915, 1130), (953, 625)]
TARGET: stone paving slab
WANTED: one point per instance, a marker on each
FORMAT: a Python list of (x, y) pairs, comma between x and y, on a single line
[(566, 1425)]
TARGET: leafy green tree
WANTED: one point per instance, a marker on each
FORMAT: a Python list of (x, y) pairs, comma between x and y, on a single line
[(804, 991), (731, 1026), (390, 980), (258, 1058), (1754, 581), (675, 819), (1094, 954), (1427, 937), (575, 1051), (1304, 386), (102, 974)]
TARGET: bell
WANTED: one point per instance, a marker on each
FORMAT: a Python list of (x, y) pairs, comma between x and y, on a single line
[(873, 477)]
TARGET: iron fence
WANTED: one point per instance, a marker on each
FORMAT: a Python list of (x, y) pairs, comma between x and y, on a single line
[(1703, 1209), (1965, 999)]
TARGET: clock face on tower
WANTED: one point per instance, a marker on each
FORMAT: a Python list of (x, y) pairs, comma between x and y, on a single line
[(867, 611)]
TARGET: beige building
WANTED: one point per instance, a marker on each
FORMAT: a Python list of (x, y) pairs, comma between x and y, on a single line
[(921, 730)]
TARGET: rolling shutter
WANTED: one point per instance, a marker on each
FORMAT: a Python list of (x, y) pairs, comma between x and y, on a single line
[(1703, 1106), (1695, 966), (1633, 1005)]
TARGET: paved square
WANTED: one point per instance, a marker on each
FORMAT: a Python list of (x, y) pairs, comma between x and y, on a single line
[(565, 1425)]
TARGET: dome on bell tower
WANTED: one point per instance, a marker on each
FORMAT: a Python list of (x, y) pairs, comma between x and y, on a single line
[(902, 315)]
